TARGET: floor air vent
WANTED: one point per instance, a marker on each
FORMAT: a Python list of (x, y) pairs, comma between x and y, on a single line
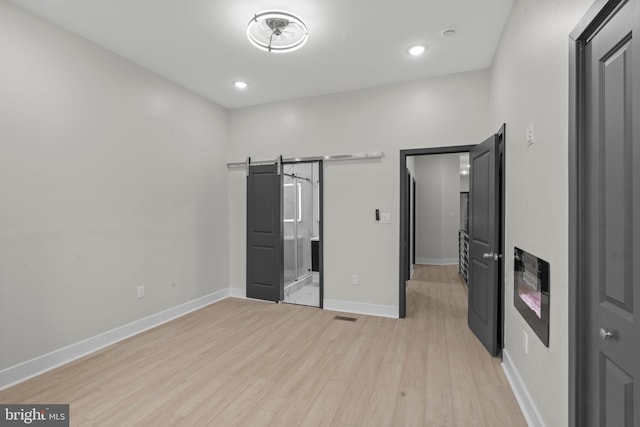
[(345, 318)]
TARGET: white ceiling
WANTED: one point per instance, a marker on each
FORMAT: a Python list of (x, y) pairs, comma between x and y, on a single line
[(202, 44)]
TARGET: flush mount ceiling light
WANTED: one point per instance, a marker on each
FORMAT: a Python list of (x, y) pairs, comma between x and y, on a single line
[(277, 31), (240, 85), (416, 50)]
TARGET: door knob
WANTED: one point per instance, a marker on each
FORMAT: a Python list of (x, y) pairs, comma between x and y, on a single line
[(605, 335)]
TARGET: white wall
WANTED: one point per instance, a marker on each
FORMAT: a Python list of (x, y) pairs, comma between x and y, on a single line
[(446, 111), (529, 84), (464, 183), (438, 208), (111, 178)]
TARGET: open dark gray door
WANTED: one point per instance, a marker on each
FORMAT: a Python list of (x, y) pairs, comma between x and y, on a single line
[(264, 233), (484, 243), (611, 229)]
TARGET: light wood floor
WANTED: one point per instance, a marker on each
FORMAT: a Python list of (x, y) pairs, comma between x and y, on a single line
[(247, 363)]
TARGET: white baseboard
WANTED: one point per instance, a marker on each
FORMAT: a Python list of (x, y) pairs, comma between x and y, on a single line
[(361, 308), (237, 293), (242, 294), (339, 305), (433, 261), (41, 364), (528, 408)]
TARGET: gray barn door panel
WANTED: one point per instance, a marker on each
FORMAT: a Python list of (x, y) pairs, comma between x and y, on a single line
[(612, 223), (484, 244), (265, 278)]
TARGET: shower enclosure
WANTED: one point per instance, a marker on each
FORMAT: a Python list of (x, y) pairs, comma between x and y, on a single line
[(301, 226)]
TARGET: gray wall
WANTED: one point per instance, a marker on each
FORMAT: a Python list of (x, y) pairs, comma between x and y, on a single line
[(464, 182), (111, 178), (389, 118), (529, 84), (438, 208)]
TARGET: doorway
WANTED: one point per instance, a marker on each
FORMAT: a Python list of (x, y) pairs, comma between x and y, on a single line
[(407, 216), (604, 255), (301, 233), (486, 239), (285, 232)]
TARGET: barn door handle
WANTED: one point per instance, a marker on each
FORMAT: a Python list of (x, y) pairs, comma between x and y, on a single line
[(605, 335)]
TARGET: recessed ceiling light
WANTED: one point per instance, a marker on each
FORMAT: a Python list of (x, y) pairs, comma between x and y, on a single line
[(240, 85), (416, 50), (277, 31)]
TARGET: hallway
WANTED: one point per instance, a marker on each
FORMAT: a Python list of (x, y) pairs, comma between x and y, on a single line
[(462, 385)]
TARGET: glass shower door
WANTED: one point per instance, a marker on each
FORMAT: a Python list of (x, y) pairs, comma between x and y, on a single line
[(289, 197), (300, 225)]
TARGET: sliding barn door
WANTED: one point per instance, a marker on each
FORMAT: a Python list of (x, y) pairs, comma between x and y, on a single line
[(265, 278)]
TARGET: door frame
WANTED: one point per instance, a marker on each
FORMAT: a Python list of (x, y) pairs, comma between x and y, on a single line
[(593, 20), (320, 225), (404, 215), (413, 220)]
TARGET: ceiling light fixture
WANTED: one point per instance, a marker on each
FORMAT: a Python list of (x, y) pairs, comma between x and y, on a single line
[(240, 85), (277, 31), (417, 50)]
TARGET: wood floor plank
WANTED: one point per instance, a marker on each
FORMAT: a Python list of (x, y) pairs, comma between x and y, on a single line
[(409, 409), (257, 417), (246, 401), (438, 390), (248, 363), (382, 401), (323, 410)]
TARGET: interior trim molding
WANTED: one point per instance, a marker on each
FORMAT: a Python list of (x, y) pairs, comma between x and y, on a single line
[(361, 308), (41, 364), (238, 293), (338, 305), (528, 408), (404, 218), (242, 294), (434, 261)]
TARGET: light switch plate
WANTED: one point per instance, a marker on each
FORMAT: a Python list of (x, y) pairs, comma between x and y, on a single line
[(385, 218)]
